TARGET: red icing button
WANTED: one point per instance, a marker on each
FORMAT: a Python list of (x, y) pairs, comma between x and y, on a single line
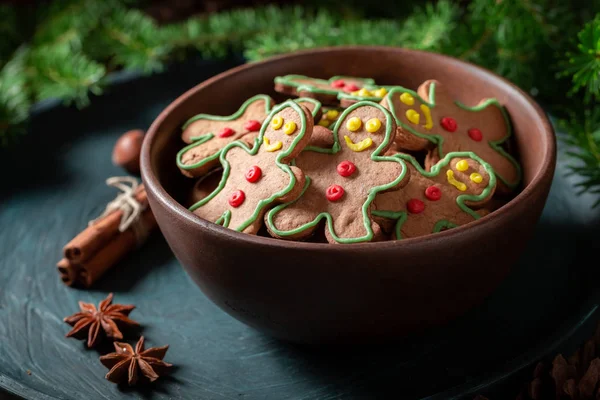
[(253, 174), (475, 134), (252, 125), (415, 206), (237, 198), (433, 193), (338, 84), (351, 87), (334, 192), (226, 132), (449, 124), (346, 168)]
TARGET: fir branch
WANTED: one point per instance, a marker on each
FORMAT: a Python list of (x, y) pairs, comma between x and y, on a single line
[(56, 72), (129, 39), (582, 135), (427, 28), (584, 66), (14, 97)]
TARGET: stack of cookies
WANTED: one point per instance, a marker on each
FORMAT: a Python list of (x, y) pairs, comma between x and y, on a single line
[(348, 158)]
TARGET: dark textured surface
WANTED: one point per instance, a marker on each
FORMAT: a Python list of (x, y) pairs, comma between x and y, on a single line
[(54, 183)]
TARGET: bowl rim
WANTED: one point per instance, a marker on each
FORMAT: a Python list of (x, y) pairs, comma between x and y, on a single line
[(152, 184)]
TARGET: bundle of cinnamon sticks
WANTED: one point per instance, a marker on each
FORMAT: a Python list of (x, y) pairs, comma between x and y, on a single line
[(104, 242)]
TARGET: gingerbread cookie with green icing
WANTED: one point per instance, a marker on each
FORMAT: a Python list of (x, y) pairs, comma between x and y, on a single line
[(439, 199), (370, 93), (342, 182), (431, 119), (326, 91), (209, 134), (255, 178)]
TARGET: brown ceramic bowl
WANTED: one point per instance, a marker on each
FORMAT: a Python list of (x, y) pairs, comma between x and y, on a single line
[(323, 293)]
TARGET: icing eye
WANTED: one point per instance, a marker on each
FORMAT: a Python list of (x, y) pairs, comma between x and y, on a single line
[(253, 174), (407, 99), (237, 198), (380, 92), (332, 114), (354, 124), (413, 116), (462, 165), (449, 124), (334, 192), (373, 125), (350, 87), (289, 128), (475, 177), (415, 206), (225, 132), (277, 122), (346, 168), (252, 125), (475, 134), (433, 193)]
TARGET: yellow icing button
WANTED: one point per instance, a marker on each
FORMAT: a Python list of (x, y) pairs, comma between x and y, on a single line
[(475, 177), (380, 92), (373, 125), (413, 116), (332, 114), (355, 93), (277, 122), (289, 128), (324, 123), (407, 99), (364, 92), (354, 124), (462, 165)]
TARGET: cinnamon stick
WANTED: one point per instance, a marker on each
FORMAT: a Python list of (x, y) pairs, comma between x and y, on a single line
[(96, 236), (88, 270)]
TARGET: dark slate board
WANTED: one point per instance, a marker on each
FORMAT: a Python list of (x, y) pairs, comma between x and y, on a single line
[(53, 183)]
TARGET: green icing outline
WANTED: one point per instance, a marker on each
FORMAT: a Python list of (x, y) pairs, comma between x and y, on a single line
[(372, 192), (198, 140), (348, 96), (288, 81), (226, 217), (439, 140), (401, 216)]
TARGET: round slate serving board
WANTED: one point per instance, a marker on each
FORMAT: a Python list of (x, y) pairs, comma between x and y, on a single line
[(53, 184)]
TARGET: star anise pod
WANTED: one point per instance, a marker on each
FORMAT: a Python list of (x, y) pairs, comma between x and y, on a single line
[(89, 320), (127, 363)]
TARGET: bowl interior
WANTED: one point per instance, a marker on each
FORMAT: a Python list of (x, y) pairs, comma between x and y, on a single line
[(223, 94)]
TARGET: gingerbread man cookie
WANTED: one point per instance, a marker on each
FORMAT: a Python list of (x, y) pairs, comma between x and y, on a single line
[(440, 199), (342, 182), (209, 134), (432, 119), (255, 178), (326, 91)]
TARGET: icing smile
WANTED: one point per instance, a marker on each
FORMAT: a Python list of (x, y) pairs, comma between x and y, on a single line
[(360, 146), (457, 184), (271, 147)]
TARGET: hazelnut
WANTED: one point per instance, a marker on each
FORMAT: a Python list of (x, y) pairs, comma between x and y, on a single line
[(126, 153)]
